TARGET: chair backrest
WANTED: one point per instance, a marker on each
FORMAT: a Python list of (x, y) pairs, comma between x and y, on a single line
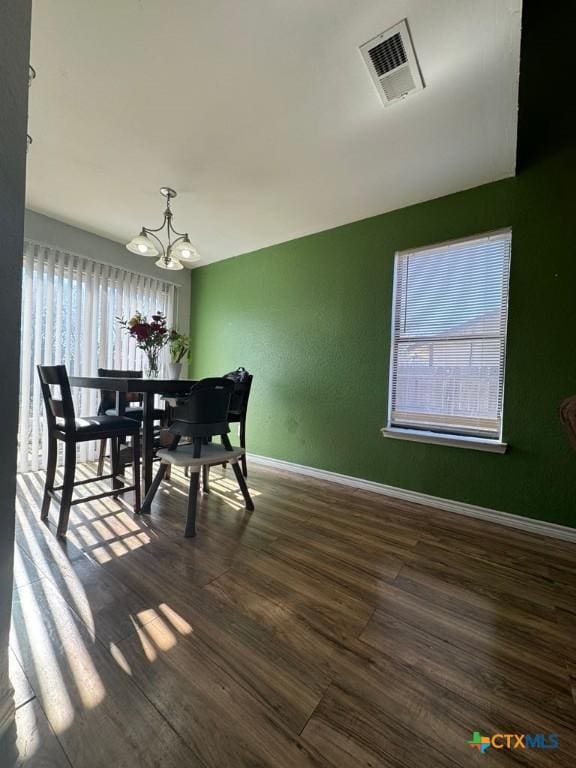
[(242, 385), (107, 397), (203, 411), (57, 407)]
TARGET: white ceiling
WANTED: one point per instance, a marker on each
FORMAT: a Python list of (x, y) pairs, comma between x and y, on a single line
[(261, 113)]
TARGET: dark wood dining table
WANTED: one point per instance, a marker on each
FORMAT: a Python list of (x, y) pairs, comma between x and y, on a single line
[(148, 388)]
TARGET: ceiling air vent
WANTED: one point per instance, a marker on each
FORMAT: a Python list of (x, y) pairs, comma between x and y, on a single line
[(392, 63)]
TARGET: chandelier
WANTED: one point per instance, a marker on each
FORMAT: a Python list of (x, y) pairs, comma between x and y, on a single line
[(178, 249)]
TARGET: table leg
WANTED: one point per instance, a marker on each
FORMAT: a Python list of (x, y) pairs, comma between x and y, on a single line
[(148, 439), (115, 444)]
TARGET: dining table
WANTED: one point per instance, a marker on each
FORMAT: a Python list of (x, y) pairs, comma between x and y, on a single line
[(148, 389)]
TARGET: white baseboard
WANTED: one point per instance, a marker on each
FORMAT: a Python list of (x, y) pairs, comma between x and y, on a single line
[(527, 524)]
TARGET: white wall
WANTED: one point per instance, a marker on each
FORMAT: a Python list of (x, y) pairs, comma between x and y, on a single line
[(65, 237), (14, 53)]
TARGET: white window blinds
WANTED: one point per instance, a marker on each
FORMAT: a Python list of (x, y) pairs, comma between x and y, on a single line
[(449, 337), (69, 310)]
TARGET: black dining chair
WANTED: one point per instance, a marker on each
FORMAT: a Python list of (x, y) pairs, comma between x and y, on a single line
[(133, 407), (199, 416), (239, 406), (63, 425)]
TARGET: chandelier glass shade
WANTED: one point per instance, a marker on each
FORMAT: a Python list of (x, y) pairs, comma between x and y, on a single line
[(143, 245), (178, 247), (185, 251), (165, 263)]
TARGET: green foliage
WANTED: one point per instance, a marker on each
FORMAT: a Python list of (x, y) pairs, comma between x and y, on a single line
[(179, 346)]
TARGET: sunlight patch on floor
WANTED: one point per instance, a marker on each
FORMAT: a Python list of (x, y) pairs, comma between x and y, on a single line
[(28, 740), (53, 693), (156, 636), (42, 567), (178, 623), (159, 633), (120, 659), (52, 638)]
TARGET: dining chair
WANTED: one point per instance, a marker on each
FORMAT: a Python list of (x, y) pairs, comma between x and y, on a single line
[(63, 425), (200, 415), (134, 408), (239, 406)]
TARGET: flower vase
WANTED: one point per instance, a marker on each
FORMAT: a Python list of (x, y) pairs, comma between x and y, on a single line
[(152, 370), (175, 370)]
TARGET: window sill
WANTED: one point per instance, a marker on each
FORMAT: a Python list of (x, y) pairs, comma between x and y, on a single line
[(454, 441)]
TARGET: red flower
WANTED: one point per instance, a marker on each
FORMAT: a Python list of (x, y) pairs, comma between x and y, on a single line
[(141, 331)]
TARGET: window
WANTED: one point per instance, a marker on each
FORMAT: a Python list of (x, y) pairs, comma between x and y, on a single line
[(449, 340), (69, 310)]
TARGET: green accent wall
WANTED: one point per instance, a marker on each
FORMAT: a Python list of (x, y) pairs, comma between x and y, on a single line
[(311, 320)]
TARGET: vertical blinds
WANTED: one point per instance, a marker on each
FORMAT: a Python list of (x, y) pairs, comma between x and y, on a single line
[(449, 337), (69, 310)]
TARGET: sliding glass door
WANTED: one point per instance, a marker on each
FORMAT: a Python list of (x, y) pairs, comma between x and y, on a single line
[(69, 310)]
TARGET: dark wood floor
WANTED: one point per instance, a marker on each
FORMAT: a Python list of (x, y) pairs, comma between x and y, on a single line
[(331, 628)]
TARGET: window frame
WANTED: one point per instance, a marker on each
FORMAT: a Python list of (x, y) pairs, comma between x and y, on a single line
[(422, 435)]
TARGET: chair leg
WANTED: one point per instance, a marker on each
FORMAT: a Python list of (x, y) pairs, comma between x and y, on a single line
[(121, 464), (155, 484), (190, 529), (239, 476), (67, 489), (115, 461), (50, 473), (243, 445), (101, 457), (206, 478), (136, 470), (149, 498), (243, 487)]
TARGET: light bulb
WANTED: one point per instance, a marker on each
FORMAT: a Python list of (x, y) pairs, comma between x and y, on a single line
[(185, 250)]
